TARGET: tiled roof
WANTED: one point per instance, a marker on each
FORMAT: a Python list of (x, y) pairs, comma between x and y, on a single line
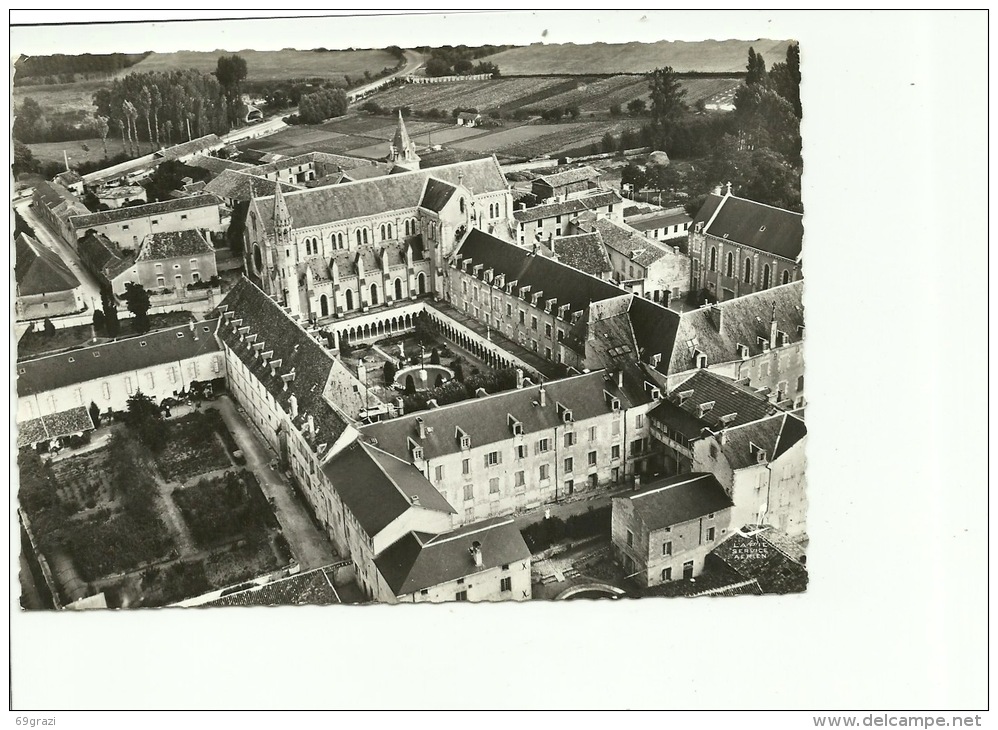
[(717, 579), (754, 556), (319, 206), (485, 420), (763, 227), (59, 200), (468, 115), (677, 499), (774, 435), (101, 254), (657, 219), (574, 205), (568, 177), (297, 351), (743, 321), (636, 247), (583, 251), (39, 270), (102, 361), (421, 561), (82, 222), (312, 588), (378, 488), (554, 279), (655, 328), (54, 425), (734, 405), (310, 158), (437, 194), (365, 172), (68, 178), (195, 145), (239, 185), (174, 244), (216, 165)]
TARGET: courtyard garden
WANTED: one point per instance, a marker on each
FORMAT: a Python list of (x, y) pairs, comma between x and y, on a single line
[(160, 514)]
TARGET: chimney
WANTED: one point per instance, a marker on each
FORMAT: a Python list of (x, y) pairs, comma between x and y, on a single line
[(311, 424), (620, 379), (772, 329), (519, 378), (716, 315), (415, 500), (294, 407), (481, 392), (422, 428), (400, 406), (542, 396), (476, 553)]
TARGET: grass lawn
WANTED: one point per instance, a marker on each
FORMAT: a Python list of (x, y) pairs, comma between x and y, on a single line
[(569, 58), (276, 65), (52, 151), (62, 98)]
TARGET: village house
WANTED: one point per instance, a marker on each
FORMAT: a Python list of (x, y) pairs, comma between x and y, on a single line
[(50, 429), (129, 226), (468, 119), (663, 531), (45, 287), (512, 451), (704, 404), (172, 261), (739, 246), (761, 466), (160, 364), (56, 206), (561, 186), (585, 252), (108, 264), (661, 225), (544, 222), (117, 196), (71, 180), (186, 151)]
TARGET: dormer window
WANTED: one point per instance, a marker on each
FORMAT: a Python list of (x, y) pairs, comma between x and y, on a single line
[(463, 438), (743, 351), (763, 343), (417, 453), (700, 359)]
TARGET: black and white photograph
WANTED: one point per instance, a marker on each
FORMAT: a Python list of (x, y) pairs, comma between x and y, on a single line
[(430, 316)]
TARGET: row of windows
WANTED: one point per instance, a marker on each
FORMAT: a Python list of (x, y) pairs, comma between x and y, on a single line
[(361, 235), (746, 272)]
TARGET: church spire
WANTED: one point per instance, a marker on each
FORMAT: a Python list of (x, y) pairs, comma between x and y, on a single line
[(282, 216), (403, 150)]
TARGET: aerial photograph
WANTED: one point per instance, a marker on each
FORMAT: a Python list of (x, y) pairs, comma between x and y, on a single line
[(409, 324)]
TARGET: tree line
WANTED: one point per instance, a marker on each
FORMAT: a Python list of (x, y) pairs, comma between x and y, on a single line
[(460, 60), (62, 69)]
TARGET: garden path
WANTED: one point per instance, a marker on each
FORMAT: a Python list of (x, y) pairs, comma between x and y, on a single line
[(182, 539), (310, 547)]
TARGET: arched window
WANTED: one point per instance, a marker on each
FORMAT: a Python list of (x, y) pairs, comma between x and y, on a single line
[(786, 276), (748, 271), (398, 288), (713, 259), (765, 277), (383, 236), (389, 227), (729, 265), (359, 239), (324, 306), (365, 235), (349, 300), (460, 204), (374, 294), (421, 282), (257, 258)]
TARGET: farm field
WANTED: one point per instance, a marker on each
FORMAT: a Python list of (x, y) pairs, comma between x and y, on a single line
[(534, 140), (52, 151), (64, 98), (569, 58), (276, 65)]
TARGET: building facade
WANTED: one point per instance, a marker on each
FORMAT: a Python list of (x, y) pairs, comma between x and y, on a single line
[(544, 222), (131, 225), (45, 287), (664, 531)]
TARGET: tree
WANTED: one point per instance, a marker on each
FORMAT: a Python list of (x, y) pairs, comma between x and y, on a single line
[(346, 349), (633, 175), (667, 106), (127, 110), (145, 107), (146, 420), (137, 299), (101, 128), (434, 357), (756, 68), (94, 411), (608, 143), (458, 369), (24, 160), (98, 322), (29, 121), (110, 310), (437, 66), (439, 381), (785, 78), (49, 327), (410, 385), (766, 119), (155, 102), (573, 111), (637, 106), (389, 373), (615, 110)]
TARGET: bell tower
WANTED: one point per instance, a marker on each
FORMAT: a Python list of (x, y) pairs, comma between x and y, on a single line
[(402, 151)]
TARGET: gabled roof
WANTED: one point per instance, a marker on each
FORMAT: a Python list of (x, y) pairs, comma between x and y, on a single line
[(216, 165), (39, 270), (311, 588), (655, 328), (102, 361), (207, 142), (583, 251), (774, 435), (420, 561), (342, 162), (59, 200), (54, 425), (437, 194), (754, 554), (485, 420), (69, 177), (240, 185), (656, 219), (378, 488), (101, 254), (760, 226), (743, 321), (728, 399), (677, 499), (566, 207), (297, 351), (568, 177), (554, 279), (174, 244), (82, 222), (627, 242), (363, 198)]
